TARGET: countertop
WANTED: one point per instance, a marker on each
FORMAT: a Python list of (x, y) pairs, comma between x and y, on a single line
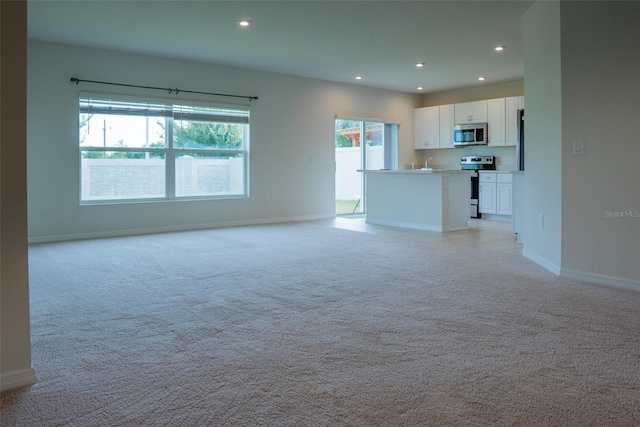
[(438, 171), (417, 171)]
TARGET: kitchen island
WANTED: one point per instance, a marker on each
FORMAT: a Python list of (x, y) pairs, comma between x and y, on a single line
[(433, 200)]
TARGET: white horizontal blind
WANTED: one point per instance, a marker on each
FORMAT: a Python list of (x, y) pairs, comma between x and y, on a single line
[(120, 108), (91, 105)]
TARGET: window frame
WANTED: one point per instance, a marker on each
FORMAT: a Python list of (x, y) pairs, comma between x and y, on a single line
[(169, 151)]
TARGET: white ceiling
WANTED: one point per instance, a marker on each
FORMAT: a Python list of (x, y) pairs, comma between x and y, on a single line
[(330, 40)]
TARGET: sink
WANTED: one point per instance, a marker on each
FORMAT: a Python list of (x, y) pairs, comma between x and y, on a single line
[(426, 169)]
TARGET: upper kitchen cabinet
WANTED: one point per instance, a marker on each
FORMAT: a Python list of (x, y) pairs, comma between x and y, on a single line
[(513, 104), (496, 122), (446, 126), (427, 128), (471, 112)]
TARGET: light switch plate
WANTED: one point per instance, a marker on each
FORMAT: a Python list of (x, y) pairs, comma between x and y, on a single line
[(578, 147)]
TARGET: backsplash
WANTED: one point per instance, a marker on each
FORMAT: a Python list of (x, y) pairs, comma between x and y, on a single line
[(449, 158)]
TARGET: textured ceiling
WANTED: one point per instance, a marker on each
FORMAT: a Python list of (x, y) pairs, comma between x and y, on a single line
[(330, 40)]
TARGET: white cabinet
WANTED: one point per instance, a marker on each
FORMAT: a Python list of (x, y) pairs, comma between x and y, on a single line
[(471, 112), (513, 104), (504, 194), (433, 127), (427, 127), (496, 122), (487, 197), (446, 126), (496, 193)]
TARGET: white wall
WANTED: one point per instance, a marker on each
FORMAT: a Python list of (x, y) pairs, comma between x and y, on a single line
[(292, 140), (582, 82), (543, 134), (601, 106)]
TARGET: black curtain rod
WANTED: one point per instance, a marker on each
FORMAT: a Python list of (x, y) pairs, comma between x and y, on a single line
[(168, 89)]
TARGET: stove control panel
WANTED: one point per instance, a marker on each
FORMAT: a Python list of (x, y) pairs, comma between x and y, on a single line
[(478, 162)]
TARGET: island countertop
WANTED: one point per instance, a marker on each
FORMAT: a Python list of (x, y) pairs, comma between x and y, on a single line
[(414, 171)]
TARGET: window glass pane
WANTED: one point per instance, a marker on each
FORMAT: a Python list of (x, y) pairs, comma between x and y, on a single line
[(374, 146), (113, 175), (111, 131), (207, 135), (203, 174)]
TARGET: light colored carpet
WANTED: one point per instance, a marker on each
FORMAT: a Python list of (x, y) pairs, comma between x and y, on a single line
[(307, 325)]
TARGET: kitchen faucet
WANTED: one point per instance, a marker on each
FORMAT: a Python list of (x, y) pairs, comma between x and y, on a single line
[(426, 164)]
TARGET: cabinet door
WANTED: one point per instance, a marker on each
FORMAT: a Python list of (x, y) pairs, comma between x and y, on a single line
[(496, 122), (504, 199), (471, 112), (433, 127), (478, 111), (446, 126), (513, 104), (420, 128), (487, 200), (487, 197)]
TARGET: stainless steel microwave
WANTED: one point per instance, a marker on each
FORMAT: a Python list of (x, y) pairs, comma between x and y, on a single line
[(470, 134)]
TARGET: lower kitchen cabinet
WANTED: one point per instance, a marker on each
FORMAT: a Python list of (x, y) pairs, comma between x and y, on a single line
[(496, 193), (487, 189)]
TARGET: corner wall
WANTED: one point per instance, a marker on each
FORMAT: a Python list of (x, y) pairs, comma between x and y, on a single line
[(543, 135), (15, 342)]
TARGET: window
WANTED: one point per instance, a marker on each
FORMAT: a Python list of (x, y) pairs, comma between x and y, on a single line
[(146, 150)]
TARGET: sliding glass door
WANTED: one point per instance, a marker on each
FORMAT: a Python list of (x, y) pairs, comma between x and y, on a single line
[(360, 145)]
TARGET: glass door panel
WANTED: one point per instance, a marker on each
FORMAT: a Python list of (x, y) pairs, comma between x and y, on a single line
[(359, 145)]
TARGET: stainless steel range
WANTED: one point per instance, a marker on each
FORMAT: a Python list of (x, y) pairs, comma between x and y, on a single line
[(476, 163)]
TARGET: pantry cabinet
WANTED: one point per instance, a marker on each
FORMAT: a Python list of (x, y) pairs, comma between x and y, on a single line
[(471, 112)]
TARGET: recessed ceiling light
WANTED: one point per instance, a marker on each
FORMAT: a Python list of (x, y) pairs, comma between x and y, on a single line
[(358, 77), (420, 88), (499, 48), (481, 78), (420, 64), (244, 23)]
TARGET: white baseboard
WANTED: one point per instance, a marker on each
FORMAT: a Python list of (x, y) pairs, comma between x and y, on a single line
[(17, 379), (600, 279), (543, 262), (582, 276), (410, 225), (174, 228)]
